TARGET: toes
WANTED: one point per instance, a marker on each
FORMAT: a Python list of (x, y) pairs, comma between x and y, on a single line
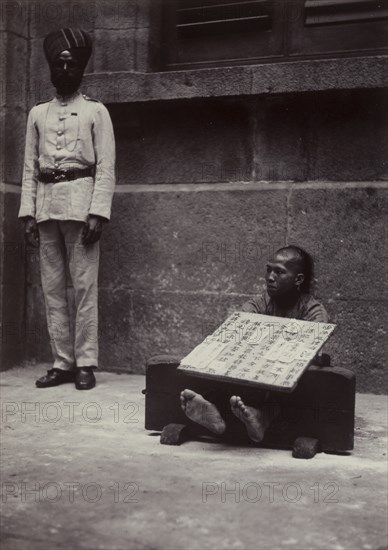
[(237, 400), (245, 411), (240, 403), (237, 403), (188, 394), (242, 407)]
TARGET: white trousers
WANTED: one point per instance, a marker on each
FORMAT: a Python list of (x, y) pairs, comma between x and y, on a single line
[(74, 344)]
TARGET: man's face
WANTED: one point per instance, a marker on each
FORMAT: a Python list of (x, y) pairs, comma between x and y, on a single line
[(66, 73), (283, 275)]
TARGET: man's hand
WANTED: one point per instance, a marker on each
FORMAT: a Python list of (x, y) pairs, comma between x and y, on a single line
[(31, 232), (92, 230)]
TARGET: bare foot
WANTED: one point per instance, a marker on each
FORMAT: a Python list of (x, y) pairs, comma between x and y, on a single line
[(252, 418), (202, 412)]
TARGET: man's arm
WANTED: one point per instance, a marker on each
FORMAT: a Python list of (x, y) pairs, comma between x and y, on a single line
[(104, 180), (27, 209), (316, 313), (254, 305)]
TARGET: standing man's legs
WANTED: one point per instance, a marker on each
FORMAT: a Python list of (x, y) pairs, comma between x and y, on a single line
[(53, 276), (83, 265), (60, 243)]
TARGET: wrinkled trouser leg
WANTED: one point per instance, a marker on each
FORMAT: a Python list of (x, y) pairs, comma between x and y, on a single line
[(53, 275), (83, 266), (62, 239)]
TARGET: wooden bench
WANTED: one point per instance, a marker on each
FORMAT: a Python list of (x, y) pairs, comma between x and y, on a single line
[(317, 416)]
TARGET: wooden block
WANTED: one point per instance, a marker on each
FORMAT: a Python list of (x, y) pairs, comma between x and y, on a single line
[(321, 407), (305, 447), (174, 434)]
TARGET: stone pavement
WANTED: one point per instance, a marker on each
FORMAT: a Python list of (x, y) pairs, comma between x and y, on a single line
[(80, 472)]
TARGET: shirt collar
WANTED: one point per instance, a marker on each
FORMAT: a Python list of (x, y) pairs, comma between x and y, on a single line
[(68, 99)]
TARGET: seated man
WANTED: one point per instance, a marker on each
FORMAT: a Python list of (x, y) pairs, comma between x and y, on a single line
[(288, 278)]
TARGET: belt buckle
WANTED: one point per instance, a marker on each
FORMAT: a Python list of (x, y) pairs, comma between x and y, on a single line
[(59, 176)]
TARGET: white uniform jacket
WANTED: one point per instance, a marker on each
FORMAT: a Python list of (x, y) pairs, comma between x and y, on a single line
[(73, 134)]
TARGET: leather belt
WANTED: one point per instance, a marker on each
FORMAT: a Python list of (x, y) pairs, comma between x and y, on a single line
[(54, 176)]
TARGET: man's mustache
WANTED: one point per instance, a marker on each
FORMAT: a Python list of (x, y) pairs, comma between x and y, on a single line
[(66, 82), (65, 77)]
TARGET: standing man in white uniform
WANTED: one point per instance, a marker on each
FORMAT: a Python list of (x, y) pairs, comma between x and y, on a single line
[(67, 190)]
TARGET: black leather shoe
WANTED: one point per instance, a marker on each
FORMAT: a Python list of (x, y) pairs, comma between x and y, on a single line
[(84, 378), (55, 377)]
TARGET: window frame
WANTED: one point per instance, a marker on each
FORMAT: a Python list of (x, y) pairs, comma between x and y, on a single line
[(288, 40)]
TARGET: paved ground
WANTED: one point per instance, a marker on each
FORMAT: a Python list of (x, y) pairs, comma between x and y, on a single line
[(80, 472)]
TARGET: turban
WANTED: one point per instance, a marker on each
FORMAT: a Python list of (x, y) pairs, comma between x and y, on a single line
[(77, 41)]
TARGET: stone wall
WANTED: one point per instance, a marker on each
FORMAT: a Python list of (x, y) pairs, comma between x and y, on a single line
[(14, 74), (209, 184)]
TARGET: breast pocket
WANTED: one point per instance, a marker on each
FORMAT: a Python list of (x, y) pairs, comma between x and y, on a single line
[(85, 151), (72, 132)]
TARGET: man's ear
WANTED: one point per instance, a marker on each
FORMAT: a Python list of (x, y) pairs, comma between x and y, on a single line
[(299, 278)]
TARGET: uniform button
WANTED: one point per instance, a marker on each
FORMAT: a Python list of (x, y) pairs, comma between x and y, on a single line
[(64, 104), (59, 132), (56, 165), (58, 147), (61, 118)]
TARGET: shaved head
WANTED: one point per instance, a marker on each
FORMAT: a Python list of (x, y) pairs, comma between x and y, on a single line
[(290, 269), (293, 257)]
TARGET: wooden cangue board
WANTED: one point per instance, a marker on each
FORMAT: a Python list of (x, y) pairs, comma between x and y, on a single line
[(268, 352)]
